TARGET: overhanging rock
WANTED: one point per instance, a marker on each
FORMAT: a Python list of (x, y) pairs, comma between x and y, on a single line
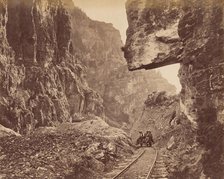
[(153, 39)]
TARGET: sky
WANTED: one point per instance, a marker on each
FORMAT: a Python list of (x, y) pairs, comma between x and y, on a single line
[(113, 11)]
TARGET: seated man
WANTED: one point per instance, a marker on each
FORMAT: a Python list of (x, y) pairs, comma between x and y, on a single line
[(140, 140)]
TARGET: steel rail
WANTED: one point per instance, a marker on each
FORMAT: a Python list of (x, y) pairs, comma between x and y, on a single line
[(129, 165), (153, 165)]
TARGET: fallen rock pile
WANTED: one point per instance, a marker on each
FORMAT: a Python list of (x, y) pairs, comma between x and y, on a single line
[(56, 154)]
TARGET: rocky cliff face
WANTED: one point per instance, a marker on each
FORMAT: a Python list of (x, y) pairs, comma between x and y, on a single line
[(41, 78), (123, 92), (189, 33)]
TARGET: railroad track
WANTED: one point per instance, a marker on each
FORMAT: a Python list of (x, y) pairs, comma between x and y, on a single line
[(149, 164), (158, 169)]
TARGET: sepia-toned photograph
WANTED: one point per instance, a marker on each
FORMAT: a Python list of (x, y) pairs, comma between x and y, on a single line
[(111, 89)]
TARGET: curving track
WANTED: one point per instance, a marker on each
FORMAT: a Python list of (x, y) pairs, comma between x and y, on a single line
[(158, 169), (148, 164)]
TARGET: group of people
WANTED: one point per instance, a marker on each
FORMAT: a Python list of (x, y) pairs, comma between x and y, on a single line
[(145, 139)]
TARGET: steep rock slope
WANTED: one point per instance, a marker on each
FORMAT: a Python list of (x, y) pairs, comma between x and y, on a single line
[(41, 79), (123, 92), (160, 115), (189, 33)]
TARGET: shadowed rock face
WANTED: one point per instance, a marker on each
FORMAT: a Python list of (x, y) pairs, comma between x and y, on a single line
[(41, 80), (198, 47)]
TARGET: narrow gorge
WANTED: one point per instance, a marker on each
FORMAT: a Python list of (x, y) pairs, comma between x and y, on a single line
[(123, 92), (75, 100)]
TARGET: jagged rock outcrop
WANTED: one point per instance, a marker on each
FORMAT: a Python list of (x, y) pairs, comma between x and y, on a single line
[(41, 78), (123, 92), (199, 49)]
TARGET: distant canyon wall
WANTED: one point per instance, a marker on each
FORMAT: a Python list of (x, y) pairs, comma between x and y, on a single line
[(190, 33), (123, 92)]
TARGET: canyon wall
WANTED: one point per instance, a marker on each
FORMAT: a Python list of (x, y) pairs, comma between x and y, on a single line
[(189, 33), (41, 78)]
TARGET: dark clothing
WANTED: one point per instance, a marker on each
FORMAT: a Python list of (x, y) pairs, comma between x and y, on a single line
[(146, 139), (149, 135)]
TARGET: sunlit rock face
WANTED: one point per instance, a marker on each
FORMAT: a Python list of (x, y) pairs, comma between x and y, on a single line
[(152, 36), (41, 79), (198, 47)]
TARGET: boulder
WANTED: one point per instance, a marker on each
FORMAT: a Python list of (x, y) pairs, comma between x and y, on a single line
[(4, 132)]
